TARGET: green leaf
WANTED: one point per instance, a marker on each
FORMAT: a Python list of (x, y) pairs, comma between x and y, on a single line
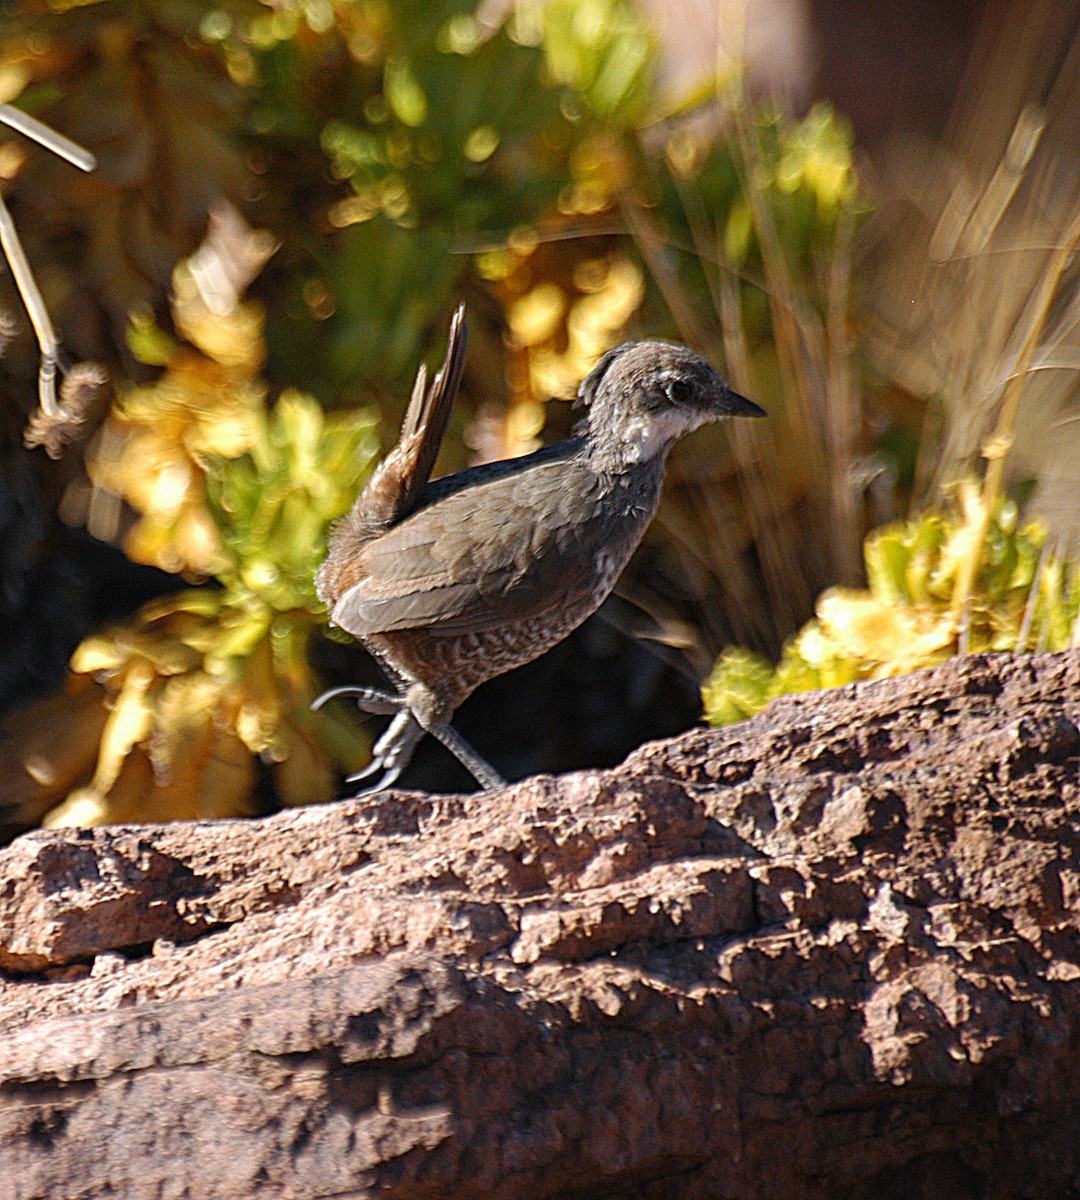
[(404, 94), (737, 688)]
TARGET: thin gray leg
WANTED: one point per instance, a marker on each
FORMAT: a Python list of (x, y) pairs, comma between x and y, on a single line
[(479, 768)]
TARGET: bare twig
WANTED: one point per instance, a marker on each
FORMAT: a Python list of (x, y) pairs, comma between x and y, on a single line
[(32, 128), (1000, 442), (35, 307), (55, 423)]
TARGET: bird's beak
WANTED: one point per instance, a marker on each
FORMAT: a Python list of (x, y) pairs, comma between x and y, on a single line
[(738, 406)]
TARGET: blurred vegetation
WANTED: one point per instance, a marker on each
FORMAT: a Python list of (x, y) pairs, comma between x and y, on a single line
[(201, 687), (1024, 597), (966, 575), (290, 198)]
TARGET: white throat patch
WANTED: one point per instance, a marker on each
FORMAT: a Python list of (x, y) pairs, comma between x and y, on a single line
[(644, 437)]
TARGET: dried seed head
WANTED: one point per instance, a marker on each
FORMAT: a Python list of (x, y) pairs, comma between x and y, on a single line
[(80, 393)]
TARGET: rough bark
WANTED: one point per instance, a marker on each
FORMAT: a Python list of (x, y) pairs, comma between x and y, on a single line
[(832, 951)]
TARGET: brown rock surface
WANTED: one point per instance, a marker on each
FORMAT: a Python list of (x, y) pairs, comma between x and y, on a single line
[(831, 952)]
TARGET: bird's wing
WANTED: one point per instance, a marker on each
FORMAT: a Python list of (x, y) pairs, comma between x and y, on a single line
[(512, 544)]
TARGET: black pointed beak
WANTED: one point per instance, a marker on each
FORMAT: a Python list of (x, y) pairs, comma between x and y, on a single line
[(738, 406)]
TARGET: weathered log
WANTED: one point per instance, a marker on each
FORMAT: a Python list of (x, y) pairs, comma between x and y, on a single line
[(832, 951)]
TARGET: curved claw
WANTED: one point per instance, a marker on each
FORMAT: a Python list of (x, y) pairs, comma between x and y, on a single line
[(389, 776), (372, 768), (371, 700), (391, 753)]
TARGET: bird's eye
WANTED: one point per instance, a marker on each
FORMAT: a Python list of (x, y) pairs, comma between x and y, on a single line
[(680, 391)]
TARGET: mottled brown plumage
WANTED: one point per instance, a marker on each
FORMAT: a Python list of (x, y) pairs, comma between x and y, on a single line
[(451, 582)]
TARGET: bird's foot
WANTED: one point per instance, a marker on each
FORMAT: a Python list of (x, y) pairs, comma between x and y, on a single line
[(390, 754), (393, 751)]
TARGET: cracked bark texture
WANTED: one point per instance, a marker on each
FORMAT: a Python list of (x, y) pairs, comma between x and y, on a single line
[(832, 951)]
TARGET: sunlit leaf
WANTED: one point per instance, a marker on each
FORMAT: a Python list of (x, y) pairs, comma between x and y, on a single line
[(129, 722), (1025, 598)]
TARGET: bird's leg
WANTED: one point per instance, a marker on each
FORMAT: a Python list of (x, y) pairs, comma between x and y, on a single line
[(432, 709), (479, 768), (393, 751)]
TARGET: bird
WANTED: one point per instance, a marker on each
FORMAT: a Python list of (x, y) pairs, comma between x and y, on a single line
[(449, 582)]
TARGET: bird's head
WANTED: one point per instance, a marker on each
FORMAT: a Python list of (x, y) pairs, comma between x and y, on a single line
[(643, 396)]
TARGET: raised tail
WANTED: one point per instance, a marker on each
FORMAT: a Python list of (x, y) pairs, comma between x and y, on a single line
[(394, 489)]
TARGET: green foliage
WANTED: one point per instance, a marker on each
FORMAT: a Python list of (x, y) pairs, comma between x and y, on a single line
[(202, 690), (445, 139), (1025, 597), (600, 50), (450, 137), (273, 505), (735, 689), (204, 684), (802, 175), (441, 155), (390, 285)]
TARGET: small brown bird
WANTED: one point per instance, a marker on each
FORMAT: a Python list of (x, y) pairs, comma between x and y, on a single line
[(451, 582)]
